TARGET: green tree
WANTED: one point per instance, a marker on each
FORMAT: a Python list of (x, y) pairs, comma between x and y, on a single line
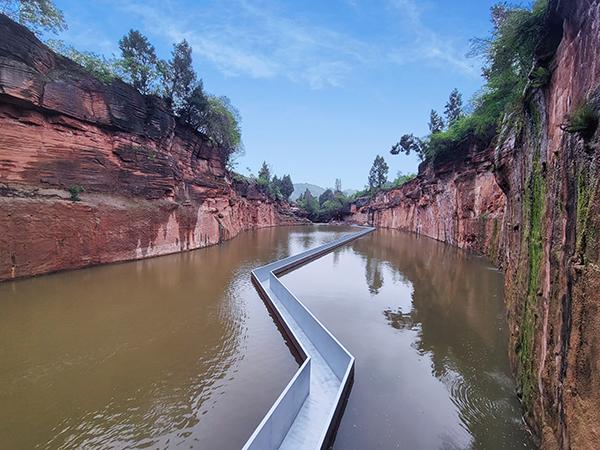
[(285, 185), (403, 179), (378, 173), (180, 77), (221, 123), (326, 196), (37, 15), (453, 110), (194, 108), (436, 123), (264, 173), (408, 143), (139, 64)]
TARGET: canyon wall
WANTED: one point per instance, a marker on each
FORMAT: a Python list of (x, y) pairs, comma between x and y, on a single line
[(151, 185), (532, 204)]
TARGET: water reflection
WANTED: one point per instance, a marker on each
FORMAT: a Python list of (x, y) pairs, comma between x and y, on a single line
[(161, 353), (425, 322)]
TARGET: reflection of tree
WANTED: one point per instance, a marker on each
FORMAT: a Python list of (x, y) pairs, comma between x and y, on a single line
[(373, 275), (399, 320), (454, 309)]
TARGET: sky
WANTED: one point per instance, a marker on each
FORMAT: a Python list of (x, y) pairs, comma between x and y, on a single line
[(322, 86)]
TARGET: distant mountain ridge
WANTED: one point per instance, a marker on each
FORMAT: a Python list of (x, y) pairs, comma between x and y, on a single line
[(300, 188)]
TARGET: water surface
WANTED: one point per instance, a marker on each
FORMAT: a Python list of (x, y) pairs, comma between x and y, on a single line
[(171, 352), (425, 322)]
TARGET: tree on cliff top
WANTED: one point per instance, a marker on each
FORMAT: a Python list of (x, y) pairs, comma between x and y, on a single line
[(264, 173), (378, 173), (37, 15), (453, 110), (140, 64)]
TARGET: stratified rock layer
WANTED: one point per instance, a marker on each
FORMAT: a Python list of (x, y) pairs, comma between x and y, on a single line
[(532, 204), (152, 186)]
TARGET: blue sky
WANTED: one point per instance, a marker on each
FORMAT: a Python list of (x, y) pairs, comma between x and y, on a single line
[(323, 86)]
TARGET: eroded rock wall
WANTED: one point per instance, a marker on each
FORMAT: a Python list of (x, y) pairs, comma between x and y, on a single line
[(457, 201), (537, 196), (152, 186)]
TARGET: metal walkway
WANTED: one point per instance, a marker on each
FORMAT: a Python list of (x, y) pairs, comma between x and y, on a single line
[(306, 413)]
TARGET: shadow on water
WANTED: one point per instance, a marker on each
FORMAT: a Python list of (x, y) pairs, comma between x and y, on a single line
[(425, 322)]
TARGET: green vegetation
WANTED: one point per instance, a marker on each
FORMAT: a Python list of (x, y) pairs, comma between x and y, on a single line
[(37, 15), (508, 58), (277, 188), (97, 65), (75, 190), (174, 82), (378, 173), (139, 64), (583, 121), (327, 207)]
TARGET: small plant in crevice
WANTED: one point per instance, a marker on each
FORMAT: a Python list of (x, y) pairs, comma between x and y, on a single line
[(540, 76), (75, 190), (583, 121)]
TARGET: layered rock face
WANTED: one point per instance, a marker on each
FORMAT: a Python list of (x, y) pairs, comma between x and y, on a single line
[(151, 185), (454, 201), (532, 204)]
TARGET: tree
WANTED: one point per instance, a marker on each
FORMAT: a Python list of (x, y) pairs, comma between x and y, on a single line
[(338, 185), (193, 108), (180, 76), (37, 15), (378, 173), (139, 64), (436, 123), (221, 123), (326, 196), (286, 187), (265, 173), (453, 110), (408, 143)]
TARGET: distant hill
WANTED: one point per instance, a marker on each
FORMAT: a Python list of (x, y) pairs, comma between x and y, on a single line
[(300, 188)]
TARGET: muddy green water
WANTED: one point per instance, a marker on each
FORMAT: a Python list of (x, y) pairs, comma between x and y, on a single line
[(181, 352)]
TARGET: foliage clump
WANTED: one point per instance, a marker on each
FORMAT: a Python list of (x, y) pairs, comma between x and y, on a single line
[(277, 188), (37, 15), (583, 121), (174, 82), (508, 56), (378, 173), (75, 190)]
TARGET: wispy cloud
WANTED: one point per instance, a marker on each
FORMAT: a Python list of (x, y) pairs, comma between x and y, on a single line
[(259, 39), (427, 45), (255, 39)]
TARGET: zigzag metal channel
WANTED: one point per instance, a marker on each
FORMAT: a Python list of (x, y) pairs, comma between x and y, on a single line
[(307, 412)]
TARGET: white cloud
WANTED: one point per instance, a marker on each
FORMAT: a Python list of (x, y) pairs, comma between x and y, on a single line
[(257, 38), (427, 46)]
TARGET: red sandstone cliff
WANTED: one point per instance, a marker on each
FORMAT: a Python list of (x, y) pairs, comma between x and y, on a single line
[(532, 204), (152, 186)]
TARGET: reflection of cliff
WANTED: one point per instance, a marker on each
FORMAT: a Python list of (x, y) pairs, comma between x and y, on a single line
[(532, 204), (446, 284), (457, 317), (152, 186)]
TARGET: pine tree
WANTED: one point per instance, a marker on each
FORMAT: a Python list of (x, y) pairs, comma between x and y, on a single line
[(139, 63), (378, 173), (436, 123), (264, 173), (453, 110), (338, 185)]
